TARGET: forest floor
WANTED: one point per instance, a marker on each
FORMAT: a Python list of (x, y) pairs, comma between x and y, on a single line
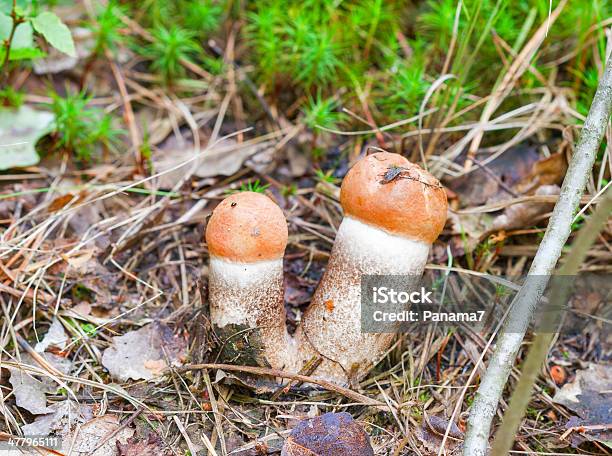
[(104, 252)]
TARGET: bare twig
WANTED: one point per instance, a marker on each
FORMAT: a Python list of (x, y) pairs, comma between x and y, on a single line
[(353, 395), (549, 251), (537, 354)]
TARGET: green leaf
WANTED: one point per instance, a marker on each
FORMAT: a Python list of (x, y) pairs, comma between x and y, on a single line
[(22, 46), (55, 32), (24, 36), (23, 54), (19, 131)]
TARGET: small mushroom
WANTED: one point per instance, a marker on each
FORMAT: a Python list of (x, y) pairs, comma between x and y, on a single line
[(246, 237), (393, 212)]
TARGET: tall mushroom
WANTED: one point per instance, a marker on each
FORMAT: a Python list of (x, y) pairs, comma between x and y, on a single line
[(246, 237), (393, 212)]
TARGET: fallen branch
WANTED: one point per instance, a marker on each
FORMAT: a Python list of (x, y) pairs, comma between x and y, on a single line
[(560, 293), (348, 393), (549, 251)]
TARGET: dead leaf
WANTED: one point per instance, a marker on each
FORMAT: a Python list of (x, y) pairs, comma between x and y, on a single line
[(20, 130), (30, 390), (30, 393), (223, 159), (151, 446), (63, 417), (298, 162), (55, 337), (91, 434), (80, 261), (155, 366), (588, 395), (479, 187), (140, 354), (60, 202), (331, 434), (522, 214), (476, 225), (547, 171), (431, 433)]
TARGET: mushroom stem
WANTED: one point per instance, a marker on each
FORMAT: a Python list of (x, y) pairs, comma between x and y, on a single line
[(332, 323), (247, 311)]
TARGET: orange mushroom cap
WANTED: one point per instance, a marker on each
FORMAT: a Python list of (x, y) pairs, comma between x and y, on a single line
[(391, 193), (247, 227)]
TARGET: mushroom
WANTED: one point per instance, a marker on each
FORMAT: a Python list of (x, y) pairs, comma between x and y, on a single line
[(393, 211), (246, 237)]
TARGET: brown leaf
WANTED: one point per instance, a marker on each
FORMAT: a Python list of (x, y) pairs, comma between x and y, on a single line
[(151, 446), (588, 396), (431, 433), (522, 214), (547, 171), (331, 434)]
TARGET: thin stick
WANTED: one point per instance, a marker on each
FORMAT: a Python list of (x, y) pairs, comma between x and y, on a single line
[(537, 354), (353, 395), (549, 251)]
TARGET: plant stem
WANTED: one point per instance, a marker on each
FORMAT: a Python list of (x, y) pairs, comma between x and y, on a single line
[(9, 41), (560, 292), (549, 251)]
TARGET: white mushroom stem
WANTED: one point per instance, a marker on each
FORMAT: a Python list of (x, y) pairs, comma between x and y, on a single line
[(332, 323)]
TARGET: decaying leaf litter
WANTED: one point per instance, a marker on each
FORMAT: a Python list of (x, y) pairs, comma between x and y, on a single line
[(98, 253)]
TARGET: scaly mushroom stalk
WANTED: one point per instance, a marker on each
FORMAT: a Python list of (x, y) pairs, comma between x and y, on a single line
[(393, 212), (246, 238)]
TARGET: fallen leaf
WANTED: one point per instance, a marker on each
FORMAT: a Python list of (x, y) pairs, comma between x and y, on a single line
[(476, 225), (81, 260), (55, 337), (520, 215), (588, 395), (151, 446), (223, 159), (139, 354), (298, 162), (60, 202), (30, 393), (547, 171), (155, 366), (331, 434), (431, 433), (479, 187), (92, 433), (19, 131), (64, 415), (29, 390)]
